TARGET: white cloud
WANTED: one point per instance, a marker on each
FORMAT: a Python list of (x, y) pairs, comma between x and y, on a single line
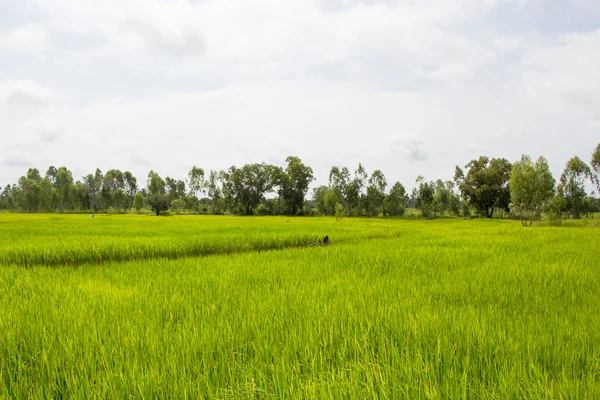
[(28, 93), (411, 88)]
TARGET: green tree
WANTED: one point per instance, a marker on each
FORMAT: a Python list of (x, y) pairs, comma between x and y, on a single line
[(595, 164), (138, 202), (196, 183), (338, 185), (355, 191), (319, 198), (177, 205), (556, 205), (93, 186), (397, 200), (531, 185), (64, 188), (119, 199), (157, 194), (131, 188), (375, 195), (485, 187), (113, 180), (248, 185), (293, 184), (573, 182), (214, 190), (423, 195), (175, 188), (29, 194)]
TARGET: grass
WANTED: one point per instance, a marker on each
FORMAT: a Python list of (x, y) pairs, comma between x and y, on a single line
[(392, 309)]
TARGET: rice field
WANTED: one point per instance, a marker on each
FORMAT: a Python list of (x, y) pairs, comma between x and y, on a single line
[(230, 308)]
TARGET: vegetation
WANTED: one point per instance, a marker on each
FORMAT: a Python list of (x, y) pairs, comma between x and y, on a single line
[(390, 309), (485, 190)]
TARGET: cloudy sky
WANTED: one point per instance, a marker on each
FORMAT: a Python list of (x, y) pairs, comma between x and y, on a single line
[(411, 87)]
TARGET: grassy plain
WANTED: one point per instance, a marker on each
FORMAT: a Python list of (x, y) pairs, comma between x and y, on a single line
[(225, 307)]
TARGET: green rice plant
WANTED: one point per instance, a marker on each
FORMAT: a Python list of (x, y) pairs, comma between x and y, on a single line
[(435, 309)]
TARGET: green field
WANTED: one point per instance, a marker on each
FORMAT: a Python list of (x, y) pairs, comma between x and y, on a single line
[(230, 307)]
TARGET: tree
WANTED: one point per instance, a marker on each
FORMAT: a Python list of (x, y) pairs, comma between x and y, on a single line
[(51, 173), (119, 199), (248, 185), (157, 194), (485, 187), (397, 200), (423, 195), (375, 196), (556, 205), (131, 188), (214, 191), (29, 193), (175, 188), (138, 202), (355, 190), (196, 183), (177, 205), (595, 163), (113, 180), (93, 186), (293, 184), (319, 198), (531, 185), (338, 184), (573, 182), (63, 185)]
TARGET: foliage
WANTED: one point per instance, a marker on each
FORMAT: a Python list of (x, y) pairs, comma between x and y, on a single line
[(138, 202), (248, 185), (485, 186), (595, 164), (531, 185), (423, 196), (178, 205), (157, 194), (293, 184), (573, 182), (397, 200)]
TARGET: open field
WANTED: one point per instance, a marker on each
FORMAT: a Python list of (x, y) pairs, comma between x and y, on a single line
[(229, 307)]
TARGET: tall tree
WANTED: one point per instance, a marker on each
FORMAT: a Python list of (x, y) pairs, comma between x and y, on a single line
[(531, 185), (51, 173), (93, 186), (175, 189), (595, 164), (355, 191), (157, 194), (423, 196), (64, 188), (376, 194), (196, 183), (214, 190), (293, 184), (338, 184), (397, 200), (248, 185), (485, 187), (131, 188), (573, 182)]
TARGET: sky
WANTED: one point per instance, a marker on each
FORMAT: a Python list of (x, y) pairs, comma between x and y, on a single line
[(410, 87)]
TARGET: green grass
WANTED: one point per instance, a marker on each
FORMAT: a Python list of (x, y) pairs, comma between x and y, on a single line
[(392, 309)]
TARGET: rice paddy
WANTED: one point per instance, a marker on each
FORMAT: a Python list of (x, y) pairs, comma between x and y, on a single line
[(228, 307)]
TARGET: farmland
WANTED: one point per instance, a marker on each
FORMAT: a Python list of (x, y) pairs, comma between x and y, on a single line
[(233, 307)]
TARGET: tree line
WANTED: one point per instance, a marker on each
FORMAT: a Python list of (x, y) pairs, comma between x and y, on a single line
[(485, 187)]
